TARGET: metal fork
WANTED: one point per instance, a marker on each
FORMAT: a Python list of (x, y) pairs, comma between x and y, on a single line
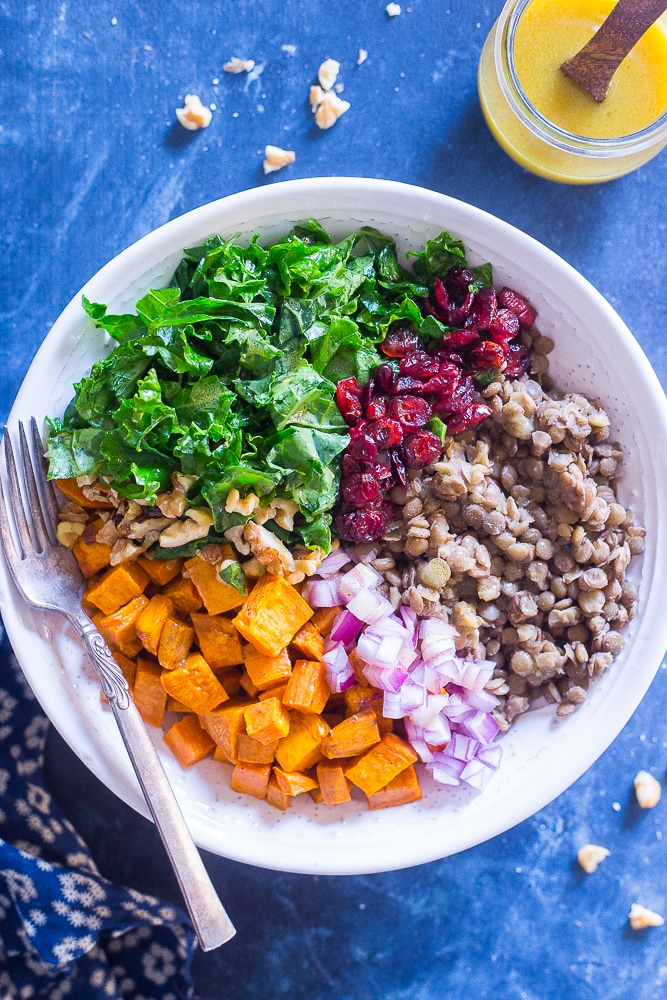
[(48, 577)]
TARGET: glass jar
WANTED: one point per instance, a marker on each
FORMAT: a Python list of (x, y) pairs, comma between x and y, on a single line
[(530, 138)]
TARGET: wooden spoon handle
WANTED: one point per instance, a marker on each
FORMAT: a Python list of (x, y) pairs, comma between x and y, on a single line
[(594, 66)]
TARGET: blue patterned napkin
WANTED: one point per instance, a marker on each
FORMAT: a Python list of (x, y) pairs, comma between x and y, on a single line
[(66, 932)]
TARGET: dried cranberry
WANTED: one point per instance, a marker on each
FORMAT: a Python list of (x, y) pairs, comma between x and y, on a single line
[(382, 468), (442, 384), (411, 411), (362, 449), (359, 428), (461, 338), (348, 466), (518, 360), (384, 376), (368, 393), (504, 326), (361, 489), (449, 356), (378, 408), (401, 338), (420, 448), (459, 280), (467, 418), (487, 355), (483, 309), (419, 364), (348, 398), (406, 383), (386, 433), (399, 469), (510, 299), (450, 312), (362, 525)]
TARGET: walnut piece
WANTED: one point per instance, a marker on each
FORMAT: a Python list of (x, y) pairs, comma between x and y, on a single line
[(647, 790), (640, 917), (196, 526), (236, 65), (193, 115), (328, 73), (329, 109), (590, 856), (67, 532), (362, 57), (393, 9), (268, 549), (276, 158)]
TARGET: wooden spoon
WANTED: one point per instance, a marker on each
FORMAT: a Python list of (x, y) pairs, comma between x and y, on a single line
[(594, 66)]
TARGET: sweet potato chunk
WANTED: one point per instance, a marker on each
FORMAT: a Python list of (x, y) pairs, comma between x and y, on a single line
[(184, 594), (254, 752), (360, 697), (380, 765), (151, 621), (272, 615), (116, 587), (309, 642), (266, 671), (267, 721), (218, 640), (223, 724), (400, 790), (174, 705), (195, 685), (323, 619), (307, 689), (275, 692), (248, 686), (128, 667), (334, 786), (293, 782), (300, 749), (253, 779), (230, 680), (119, 628), (160, 571), (71, 489), (352, 736), (149, 695), (216, 595), (92, 556), (276, 797), (188, 742), (175, 642)]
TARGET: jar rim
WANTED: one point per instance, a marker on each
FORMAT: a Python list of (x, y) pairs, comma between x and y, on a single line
[(536, 122)]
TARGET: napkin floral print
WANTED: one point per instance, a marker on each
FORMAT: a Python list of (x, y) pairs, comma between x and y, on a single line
[(64, 930)]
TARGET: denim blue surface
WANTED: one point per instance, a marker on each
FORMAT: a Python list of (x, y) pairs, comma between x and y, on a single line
[(90, 161)]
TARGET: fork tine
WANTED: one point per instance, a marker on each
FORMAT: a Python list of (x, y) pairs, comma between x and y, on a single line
[(34, 500), (11, 555), (45, 486), (15, 500)]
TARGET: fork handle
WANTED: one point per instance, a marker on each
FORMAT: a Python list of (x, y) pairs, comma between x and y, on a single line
[(208, 916)]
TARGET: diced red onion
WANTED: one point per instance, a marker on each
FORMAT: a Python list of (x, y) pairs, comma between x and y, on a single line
[(456, 709), (346, 628), (360, 577), (338, 669), (333, 563), (438, 732), (425, 753), (322, 593), (481, 701), (462, 747), (476, 674), (385, 680), (475, 774), (490, 755), (447, 764), (370, 606), (391, 705), (413, 695), (481, 727)]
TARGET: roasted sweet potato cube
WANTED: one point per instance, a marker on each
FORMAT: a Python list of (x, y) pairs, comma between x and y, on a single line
[(254, 752), (300, 749), (293, 782), (266, 671), (334, 786), (360, 697), (218, 640), (267, 720), (357, 665), (230, 680), (275, 692), (323, 619), (380, 765), (272, 615), (276, 797), (92, 556), (252, 779), (307, 689), (184, 594), (188, 742), (309, 642), (216, 595), (128, 666), (149, 695), (195, 685), (160, 571), (248, 686), (174, 705), (175, 642), (151, 621), (116, 587), (119, 628), (352, 736), (224, 723), (220, 755), (400, 790), (71, 489)]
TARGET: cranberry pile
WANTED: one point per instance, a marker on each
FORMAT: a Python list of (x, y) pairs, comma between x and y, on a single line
[(388, 416)]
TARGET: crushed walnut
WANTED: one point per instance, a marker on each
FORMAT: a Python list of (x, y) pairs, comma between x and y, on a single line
[(327, 74), (193, 115), (236, 65), (362, 57), (276, 158), (328, 106), (641, 917), (590, 856), (647, 790)]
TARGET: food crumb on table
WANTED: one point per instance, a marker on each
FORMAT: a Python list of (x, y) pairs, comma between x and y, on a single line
[(590, 857), (237, 65), (276, 158), (647, 790), (328, 72), (362, 57), (393, 9), (193, 115), (327, 105), (641, 917)]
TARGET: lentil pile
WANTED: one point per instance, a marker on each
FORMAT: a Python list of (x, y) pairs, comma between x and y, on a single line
[(516, 537)]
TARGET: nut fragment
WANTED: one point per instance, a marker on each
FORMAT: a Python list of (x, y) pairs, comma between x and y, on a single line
[(328, 73), (362, 57), (193, 115), (329, 107), (276, 158), (393, 9), (590, 856), (236, 65), (180, 532), (647, 790), (67, 532), (268, 549), (641, 917)]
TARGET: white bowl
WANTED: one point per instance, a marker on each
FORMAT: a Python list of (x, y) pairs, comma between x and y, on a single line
[(595, 354)]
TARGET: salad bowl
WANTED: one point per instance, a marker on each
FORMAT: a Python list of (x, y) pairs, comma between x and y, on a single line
[(595, 354)]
